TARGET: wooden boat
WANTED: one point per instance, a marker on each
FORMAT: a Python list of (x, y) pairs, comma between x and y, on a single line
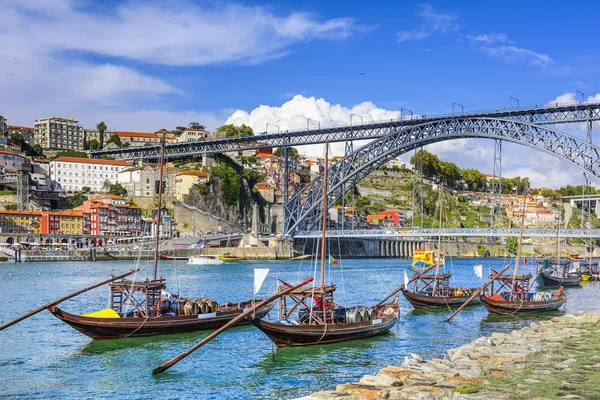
[(309, 316), (562, 278), (228, 257), (144, 308), (433, 290), (513, 296), (112, 328), (176, 258)]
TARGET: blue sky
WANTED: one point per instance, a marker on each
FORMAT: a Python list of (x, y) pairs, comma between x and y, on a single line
[(147, 65)]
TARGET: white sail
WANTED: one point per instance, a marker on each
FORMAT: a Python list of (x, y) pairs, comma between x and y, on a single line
[(405, 280), (259, 277), (478, 269)]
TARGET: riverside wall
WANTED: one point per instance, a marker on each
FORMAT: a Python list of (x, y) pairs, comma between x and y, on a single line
[(557, 358)]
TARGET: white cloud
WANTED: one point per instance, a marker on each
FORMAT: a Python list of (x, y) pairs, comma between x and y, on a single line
[(432, 22), (498, 45), (172, 33), (60, 58)]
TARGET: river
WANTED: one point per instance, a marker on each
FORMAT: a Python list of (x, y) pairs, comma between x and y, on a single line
[(43, 358)]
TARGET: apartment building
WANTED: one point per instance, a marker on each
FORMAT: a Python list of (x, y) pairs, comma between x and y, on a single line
[(19, 221), (61, 223), (73, 173), (110, 215), (59, 134)]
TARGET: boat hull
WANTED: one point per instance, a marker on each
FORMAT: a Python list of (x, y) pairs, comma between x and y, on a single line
[(113, 328), (518, 307), (420, 301), (551, 280), (176, 258), (307, 335)]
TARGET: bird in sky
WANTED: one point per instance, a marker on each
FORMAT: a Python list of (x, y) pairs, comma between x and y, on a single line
[(361, 73)]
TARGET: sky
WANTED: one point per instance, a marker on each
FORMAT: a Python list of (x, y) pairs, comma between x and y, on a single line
[(147, 65)]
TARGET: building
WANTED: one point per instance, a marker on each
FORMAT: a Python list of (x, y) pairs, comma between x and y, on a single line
[(192, 135), (266, 191), (21, 222), (138, 138), (26, 132), (185, 180), (74, 173), (3, 127), (94, 134), (110, 215), (10, 160), (59, 134), (139, 181), (62, 222)]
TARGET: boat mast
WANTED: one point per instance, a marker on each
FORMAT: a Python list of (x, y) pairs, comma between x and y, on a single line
[(557, 239), (324, 222), (160, 192), (439, 260), (518, 263)]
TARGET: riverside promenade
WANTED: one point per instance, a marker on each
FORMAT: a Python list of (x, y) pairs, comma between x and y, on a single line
[(553, 359)]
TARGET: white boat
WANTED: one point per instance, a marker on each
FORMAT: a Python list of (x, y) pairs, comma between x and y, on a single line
[(205, 260)]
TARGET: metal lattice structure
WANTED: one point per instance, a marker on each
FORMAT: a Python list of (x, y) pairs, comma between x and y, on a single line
[(302, 211), (23, 186), (548, 114), (409, 233)]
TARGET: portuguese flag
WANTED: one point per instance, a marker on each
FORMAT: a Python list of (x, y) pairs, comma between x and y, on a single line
[(332, 260)]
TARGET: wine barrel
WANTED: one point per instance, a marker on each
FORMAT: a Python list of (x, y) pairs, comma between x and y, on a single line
[(178, 306), (371, 314), (165, 306), (191, 308), (213, 306)]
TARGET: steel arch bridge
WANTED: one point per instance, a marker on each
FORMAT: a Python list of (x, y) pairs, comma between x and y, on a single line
[(303, 210)]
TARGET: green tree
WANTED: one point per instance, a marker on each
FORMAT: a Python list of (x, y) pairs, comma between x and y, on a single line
[(86, 189), (292, 152), (72, 153), (93, 144), (231, 182), (101, 126), (195, 125), (77, 199), (511, 245), (179, 130), (475, 180), (10, 206), (37, 148), (231, 130), (114, 188), (115, 139)]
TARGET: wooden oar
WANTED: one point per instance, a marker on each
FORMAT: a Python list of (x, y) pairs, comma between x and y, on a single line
[(42, 308), (477, 293), (175, 360), (399, 288)]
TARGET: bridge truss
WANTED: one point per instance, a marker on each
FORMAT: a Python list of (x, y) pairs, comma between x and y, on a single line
[(450, 232)]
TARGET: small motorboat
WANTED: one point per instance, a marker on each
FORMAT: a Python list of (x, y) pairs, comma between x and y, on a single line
[(177, 258), (229, 257), (205, 260)]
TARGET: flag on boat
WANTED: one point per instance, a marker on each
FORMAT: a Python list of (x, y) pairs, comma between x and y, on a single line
[(332, 260), (259, 277), (405, 280), (478, 270)]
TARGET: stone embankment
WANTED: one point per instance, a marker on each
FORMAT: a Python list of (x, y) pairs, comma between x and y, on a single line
[(555, 359)]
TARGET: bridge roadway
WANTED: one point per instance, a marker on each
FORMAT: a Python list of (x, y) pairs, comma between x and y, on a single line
[(544, 114), (450, 232)]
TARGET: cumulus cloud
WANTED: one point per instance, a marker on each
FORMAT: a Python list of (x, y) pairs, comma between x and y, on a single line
[(433, 22)]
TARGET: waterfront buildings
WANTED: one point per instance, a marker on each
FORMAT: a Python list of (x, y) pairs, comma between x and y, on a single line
[(18, 221), (94, 134), (68, 222), (185, 180), (11, 161), (110, 215), (59, 134), (138, 138)]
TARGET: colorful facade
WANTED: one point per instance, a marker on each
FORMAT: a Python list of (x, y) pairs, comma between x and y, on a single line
[(110, 215)]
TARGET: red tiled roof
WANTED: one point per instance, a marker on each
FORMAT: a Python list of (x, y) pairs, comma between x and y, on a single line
[(194, 173), (93, 161), (137, 134)]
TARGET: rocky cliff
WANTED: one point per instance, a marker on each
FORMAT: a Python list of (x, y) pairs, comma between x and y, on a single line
[(229, 193)]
